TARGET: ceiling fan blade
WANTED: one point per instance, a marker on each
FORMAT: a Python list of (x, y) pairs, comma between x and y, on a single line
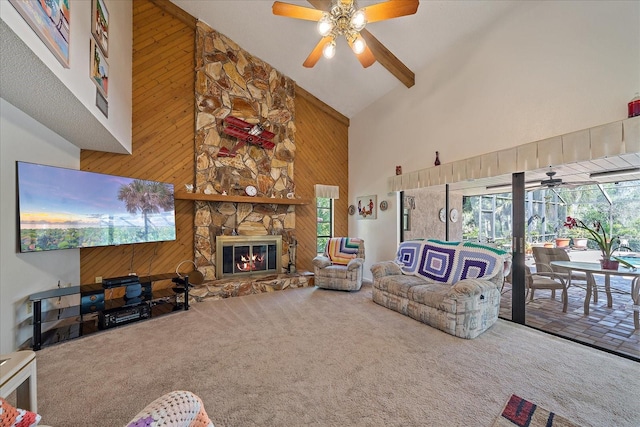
[(294, 11), (390, 9), (316, 53), (388, 60), (323, 5), (366, 58)]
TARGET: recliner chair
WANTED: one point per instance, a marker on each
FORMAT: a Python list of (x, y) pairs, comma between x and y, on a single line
[(341, 265)]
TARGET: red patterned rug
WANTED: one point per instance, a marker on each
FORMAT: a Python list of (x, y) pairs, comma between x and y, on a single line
[(522, 413)]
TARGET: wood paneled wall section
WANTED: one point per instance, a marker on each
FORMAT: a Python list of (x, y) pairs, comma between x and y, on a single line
[(162, 137), (163, 146), (322, 157)]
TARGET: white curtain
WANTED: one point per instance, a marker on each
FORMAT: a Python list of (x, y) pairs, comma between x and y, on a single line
[(327, 191)]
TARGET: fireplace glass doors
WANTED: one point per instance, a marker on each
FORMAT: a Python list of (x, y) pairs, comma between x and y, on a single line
[(245, 255)]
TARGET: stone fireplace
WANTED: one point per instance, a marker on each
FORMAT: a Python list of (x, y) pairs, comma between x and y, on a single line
[(248, 255), (232, 82)]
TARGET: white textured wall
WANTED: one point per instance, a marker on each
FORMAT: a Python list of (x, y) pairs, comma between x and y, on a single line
[(545, 69), (77, 77), (24, 139), (425, 218)]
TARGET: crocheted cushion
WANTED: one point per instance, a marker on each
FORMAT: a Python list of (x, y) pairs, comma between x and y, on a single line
[(341, 250), (10, 416), (174, 409), (450, 262)]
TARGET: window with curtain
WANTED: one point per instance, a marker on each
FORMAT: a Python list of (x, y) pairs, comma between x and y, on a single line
[(325, 195), (324, 228)]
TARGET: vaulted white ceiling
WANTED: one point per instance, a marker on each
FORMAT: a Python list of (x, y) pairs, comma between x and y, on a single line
[(341, 82)]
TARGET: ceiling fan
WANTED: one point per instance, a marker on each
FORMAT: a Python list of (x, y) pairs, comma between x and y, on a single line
[(344, 18), (552, 182)]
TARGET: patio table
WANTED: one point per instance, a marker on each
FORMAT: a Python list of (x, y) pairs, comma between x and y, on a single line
[(591, 268)]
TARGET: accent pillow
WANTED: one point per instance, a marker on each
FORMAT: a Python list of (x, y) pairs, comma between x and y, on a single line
[(341, 250), (14, 417)]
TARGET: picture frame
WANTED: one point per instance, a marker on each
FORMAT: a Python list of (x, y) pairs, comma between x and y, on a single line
[(100, 25), (51, 21), (99, 69), (102, 103), (367, 207)]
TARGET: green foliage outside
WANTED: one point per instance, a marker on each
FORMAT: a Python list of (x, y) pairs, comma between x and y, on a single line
[(323, 230), (488, 218)]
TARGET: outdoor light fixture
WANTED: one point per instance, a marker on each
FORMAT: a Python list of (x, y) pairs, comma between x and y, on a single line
[(530, 184), (618, 172)]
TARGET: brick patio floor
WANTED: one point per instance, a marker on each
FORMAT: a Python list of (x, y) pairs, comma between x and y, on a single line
[(608, 328)]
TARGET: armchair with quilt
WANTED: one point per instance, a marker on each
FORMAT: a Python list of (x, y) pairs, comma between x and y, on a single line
[(341, 265)]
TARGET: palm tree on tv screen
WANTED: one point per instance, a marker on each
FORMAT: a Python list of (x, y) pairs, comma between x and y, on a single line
[(147, 197)]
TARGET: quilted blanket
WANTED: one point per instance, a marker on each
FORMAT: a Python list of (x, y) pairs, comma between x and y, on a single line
[(341, 250), (450, 262)]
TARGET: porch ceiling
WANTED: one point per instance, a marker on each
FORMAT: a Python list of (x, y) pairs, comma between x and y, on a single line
[(569, 173)]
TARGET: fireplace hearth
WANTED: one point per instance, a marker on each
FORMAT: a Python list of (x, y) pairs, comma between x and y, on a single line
[(248, 255)]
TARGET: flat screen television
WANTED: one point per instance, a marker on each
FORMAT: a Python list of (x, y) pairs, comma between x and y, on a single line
[(62, 208)]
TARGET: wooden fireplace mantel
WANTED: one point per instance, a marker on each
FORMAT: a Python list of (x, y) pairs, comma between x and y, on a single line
[(183, 195)]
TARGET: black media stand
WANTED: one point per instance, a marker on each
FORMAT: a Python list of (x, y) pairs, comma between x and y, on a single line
[(95, 312)]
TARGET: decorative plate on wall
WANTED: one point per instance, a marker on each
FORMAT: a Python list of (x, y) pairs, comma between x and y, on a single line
[(384, 205), (352, 209), (443, 215), (453, 215)]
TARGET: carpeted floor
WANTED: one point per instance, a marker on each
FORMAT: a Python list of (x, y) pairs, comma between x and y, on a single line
[(328, 358)]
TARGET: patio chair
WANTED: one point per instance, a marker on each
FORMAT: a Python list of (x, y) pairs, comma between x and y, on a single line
[(551, 281), (543, 258)]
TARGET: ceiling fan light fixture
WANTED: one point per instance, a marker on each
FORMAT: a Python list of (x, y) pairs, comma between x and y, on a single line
[(358, 20), (325, 25), (329, 49), (358, 45)]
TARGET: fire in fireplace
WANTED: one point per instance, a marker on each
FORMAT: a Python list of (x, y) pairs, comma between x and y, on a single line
[(246, 255)]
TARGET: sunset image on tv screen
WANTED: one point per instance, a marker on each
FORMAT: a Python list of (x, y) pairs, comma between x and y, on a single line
[(65, 208)]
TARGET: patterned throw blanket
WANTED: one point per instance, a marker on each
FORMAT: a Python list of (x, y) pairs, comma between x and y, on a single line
[(341, 250), (450, 262)]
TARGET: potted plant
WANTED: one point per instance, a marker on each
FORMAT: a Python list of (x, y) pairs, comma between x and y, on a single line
[(606, 243), (562, 240), (579, 238)]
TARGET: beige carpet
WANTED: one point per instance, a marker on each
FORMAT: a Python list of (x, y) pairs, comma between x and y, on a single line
[(328, 358)]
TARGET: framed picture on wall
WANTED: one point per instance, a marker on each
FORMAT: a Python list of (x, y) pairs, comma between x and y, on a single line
[(51, 21), (102, 104), (367, 207), (99, 69), (100, 25)]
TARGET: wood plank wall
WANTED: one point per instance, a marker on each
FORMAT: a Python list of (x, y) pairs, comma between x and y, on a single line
[(162, 140), (163, 146), (322, 157)]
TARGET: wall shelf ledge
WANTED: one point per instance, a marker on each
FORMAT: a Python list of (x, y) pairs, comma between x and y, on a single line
[(183, 195)]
